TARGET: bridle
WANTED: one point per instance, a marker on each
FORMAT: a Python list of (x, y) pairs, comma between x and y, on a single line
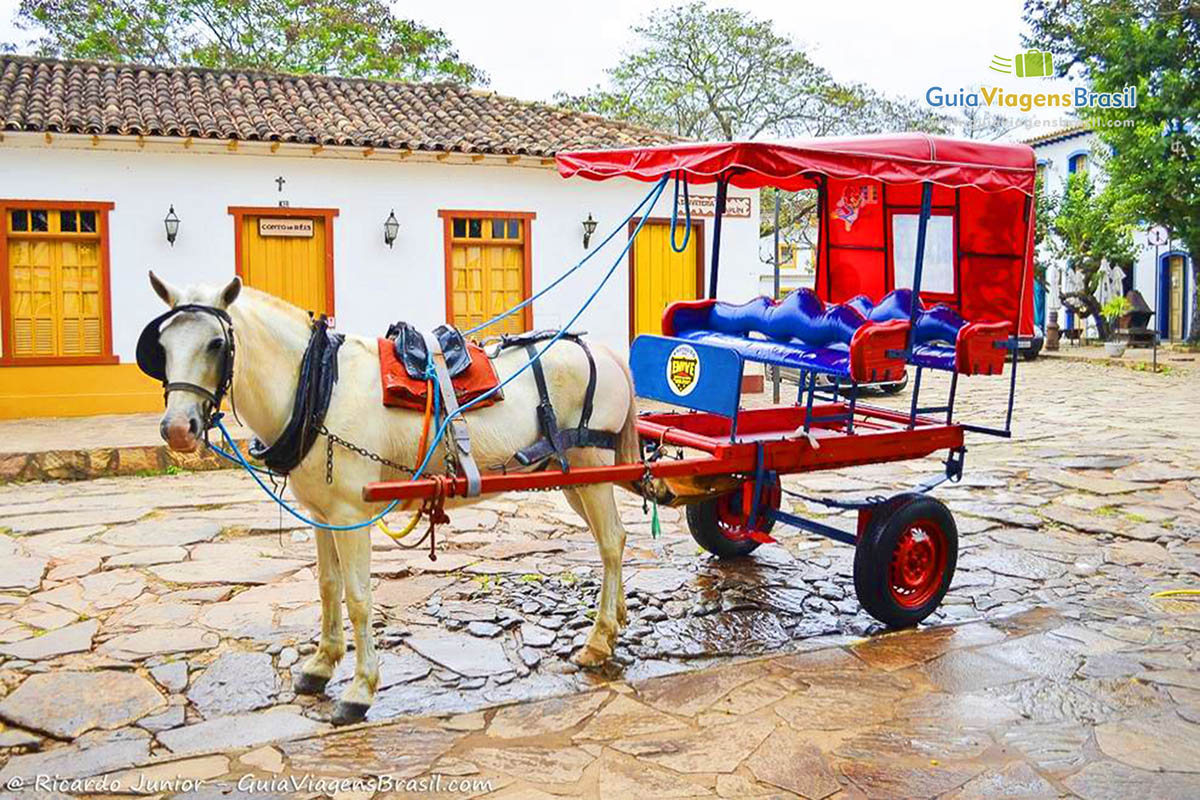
[(152, 359)]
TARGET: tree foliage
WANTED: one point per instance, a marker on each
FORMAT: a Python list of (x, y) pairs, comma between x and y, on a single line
[(720, 73), (339, 37), (1153, 45)]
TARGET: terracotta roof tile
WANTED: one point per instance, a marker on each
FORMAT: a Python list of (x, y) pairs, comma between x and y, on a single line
[(48, 95)]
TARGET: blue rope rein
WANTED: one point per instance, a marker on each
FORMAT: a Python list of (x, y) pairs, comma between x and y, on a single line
[(441, 431), (578, 265), (234, 454), (687, 205)]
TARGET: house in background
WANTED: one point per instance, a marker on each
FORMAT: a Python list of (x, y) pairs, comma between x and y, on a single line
[(1164, 281), (288, 181), (797, 265)]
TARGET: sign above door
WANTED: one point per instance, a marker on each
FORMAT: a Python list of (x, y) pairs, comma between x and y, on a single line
[(705, 205), (271, 226)]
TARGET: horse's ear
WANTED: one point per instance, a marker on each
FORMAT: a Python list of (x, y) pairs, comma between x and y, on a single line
[(168, 293), (231, 291)]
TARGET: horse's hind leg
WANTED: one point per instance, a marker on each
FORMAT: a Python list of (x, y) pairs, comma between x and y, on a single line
[(598, 508), (354, 555), (316, 671)]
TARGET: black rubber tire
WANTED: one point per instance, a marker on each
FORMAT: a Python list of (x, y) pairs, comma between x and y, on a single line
[(703, 520), (876, 547), (1034, 349), (896, 387)]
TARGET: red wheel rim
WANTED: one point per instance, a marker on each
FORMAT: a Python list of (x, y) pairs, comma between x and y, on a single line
[(734, 522), (918, 564)]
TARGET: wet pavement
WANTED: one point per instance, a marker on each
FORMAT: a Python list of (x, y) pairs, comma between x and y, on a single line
[(149, 628)]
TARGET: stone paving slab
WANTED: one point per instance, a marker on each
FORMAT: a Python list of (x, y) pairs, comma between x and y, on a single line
[(1049, 664)]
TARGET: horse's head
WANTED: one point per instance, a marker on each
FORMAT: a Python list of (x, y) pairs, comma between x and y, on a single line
[(192, 349)]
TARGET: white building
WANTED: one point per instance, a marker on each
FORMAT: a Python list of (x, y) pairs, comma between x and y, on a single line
[(1165, 281), (288, 181)]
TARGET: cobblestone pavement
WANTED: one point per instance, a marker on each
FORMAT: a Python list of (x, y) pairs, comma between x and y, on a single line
[(149, 628)]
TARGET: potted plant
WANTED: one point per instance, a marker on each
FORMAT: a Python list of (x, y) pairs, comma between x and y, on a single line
[(1112, 311)]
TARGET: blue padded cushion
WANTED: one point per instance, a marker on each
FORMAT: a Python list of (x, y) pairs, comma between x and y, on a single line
[(800, 316), (934, 334), (832, 360), (799, 331)]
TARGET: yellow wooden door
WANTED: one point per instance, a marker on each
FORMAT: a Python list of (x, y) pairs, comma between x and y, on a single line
[(55, 283), (660, 275), (1175, 304), (487, 273), (292, 268)]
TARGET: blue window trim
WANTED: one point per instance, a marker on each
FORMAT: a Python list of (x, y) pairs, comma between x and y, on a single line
[(1162, 307), (1071, 159)]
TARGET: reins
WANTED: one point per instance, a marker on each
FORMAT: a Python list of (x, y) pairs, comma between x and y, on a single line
[(433, 508)]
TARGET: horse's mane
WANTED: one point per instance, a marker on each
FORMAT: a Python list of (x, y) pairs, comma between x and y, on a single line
[(276, 303)]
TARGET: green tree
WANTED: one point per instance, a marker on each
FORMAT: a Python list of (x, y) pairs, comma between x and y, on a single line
[(1153, 45), (1092, 226), (720, 73), (327, 37)]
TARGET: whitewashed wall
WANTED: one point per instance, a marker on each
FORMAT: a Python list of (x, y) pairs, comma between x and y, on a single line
[(1056, 155), (374, 285)]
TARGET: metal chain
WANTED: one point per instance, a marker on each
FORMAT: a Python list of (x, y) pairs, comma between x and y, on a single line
[(332, 438)]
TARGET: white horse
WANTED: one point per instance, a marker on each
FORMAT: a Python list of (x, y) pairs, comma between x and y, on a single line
[(271, 337)]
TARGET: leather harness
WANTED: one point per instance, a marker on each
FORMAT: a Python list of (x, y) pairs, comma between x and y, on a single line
[(319, 373), (556, 442), (314, 391)]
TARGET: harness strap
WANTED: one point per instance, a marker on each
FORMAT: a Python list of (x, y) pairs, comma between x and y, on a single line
[(314, 390), (547, 419), (458, 426), (555, 442)]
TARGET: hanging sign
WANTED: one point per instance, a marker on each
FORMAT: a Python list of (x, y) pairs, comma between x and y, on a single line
[(287, 226), (704, 205)]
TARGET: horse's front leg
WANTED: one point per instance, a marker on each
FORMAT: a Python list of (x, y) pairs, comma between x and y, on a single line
[(354, 555), (598, 507), (316, 671)]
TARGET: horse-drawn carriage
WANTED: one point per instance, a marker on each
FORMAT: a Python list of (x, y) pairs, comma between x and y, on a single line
[(924, 263)]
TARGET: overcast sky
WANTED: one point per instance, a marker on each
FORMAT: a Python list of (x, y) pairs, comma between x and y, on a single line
[(534, 48)]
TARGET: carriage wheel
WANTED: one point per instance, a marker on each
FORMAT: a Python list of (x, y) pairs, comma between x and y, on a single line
[(896, 387), (904, 560), (721, 525)]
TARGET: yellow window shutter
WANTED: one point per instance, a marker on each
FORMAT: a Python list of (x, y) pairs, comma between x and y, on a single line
[(31, 275)]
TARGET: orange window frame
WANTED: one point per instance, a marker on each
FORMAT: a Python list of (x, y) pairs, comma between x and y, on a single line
[(525, 217), (240, 212), (8, 359)]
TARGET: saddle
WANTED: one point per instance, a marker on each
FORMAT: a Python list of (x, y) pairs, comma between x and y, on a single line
[(403, 357)]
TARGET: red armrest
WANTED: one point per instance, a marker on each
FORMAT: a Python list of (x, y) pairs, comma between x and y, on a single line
[(668, 317), (869, 359), (975, 352)]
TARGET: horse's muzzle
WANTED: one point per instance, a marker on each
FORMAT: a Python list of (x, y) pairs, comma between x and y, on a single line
[(181, 432)]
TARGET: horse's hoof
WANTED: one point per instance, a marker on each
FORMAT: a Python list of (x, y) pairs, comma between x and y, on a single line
[(348, 713), (589, 656), (304, 683)]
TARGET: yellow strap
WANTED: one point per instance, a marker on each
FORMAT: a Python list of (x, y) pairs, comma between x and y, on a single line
[(397, 536), (1177, 593)]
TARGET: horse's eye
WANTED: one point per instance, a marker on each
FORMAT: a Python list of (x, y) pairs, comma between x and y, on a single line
[(215, 344)]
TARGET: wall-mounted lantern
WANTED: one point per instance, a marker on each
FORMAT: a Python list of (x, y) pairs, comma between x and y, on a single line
[(391, 227), (172, 225), (589, 227)]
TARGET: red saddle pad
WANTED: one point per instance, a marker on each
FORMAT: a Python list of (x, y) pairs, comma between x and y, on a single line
[(402, 391)]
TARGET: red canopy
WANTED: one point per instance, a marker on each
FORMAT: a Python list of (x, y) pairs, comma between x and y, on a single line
[(893, 158)]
